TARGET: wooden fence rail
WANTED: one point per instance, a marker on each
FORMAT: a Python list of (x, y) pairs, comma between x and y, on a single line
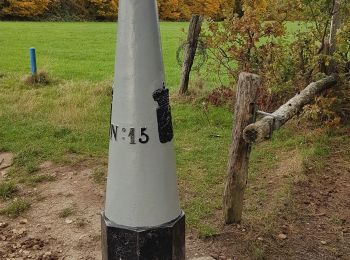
[(263, 128)]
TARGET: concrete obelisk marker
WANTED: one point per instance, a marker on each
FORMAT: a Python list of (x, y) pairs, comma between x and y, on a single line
[(142, 218)]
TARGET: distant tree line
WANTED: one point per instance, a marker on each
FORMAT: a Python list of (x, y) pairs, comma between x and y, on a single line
[(58, 10), (106, 10)]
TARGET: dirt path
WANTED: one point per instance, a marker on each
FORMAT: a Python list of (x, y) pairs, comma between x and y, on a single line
[(44, 233), (314, 223), (321, 228), (64, 221)]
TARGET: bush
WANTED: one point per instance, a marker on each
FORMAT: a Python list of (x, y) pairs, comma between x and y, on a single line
[(67, 10), (104, 9), (251, 44), (22, 8), (78, 10), (286, 64)]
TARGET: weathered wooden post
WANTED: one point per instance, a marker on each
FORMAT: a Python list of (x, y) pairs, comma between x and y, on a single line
[(190, 51), (240, 150), (238, 8), (142, 218)]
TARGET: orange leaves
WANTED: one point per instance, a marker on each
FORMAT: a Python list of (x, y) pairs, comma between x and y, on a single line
[(212, 8), (174, 10), (169, 9), (23, 8), (259, 6), (106, 9), (183, 9)]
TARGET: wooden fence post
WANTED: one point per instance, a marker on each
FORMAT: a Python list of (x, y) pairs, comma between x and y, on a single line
[(240, 150), (190, 51)]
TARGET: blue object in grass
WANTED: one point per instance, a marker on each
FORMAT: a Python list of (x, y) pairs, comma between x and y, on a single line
[(33, 60)]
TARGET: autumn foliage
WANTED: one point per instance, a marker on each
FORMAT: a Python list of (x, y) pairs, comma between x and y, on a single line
[(22, 8), (173, 10), (106, 9), (258, 42), (183, 9)]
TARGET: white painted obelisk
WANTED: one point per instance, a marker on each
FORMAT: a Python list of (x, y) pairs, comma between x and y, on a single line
[(142, 186), (142, 218)]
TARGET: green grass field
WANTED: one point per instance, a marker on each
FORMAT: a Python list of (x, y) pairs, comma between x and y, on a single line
[(76, 51), (68, 120), (80, 51)]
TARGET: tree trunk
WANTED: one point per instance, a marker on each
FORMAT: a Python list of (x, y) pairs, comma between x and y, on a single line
[(238, 8), (328, 64), (239, 153), (335, 25), (263, 128), (190, 51)]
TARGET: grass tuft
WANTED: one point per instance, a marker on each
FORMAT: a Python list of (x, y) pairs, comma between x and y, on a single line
[(206, 231), (26, 156), (15, 208), (66, 212), (258, 251), (62, 132), (41, 78), (99, 176), (40, 178), (315, 153), (7, 190), (28, 159)]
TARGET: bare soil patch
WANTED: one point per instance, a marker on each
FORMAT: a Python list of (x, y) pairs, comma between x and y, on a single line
[(43, 233)]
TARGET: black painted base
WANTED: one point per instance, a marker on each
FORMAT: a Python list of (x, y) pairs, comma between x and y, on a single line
[(165, 242)]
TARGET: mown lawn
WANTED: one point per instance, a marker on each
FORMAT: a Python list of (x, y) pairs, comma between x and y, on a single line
[(76, 51), (68, 120)]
